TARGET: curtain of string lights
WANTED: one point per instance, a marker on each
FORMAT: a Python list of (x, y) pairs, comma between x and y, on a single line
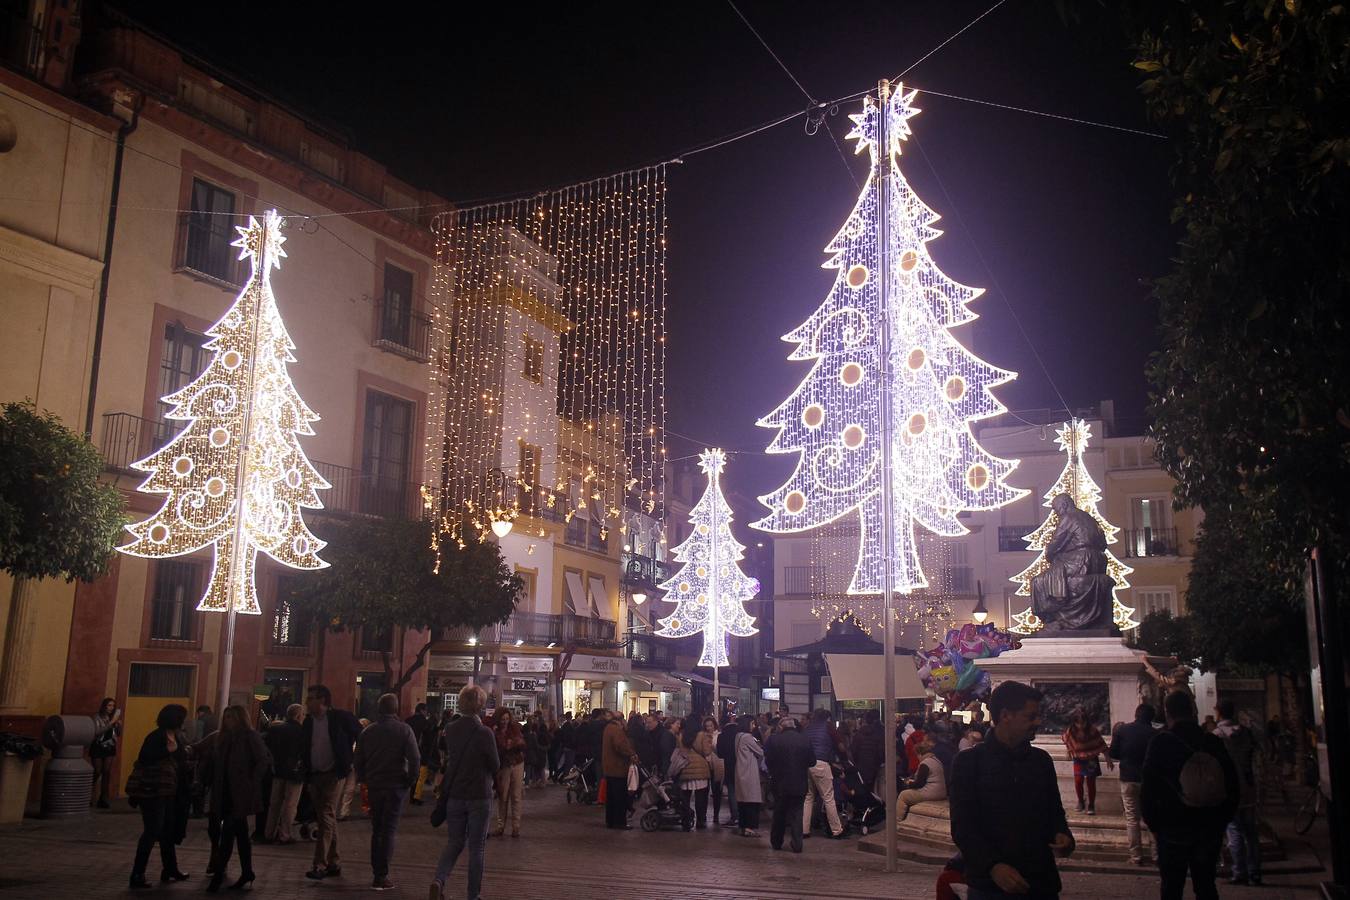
[(548, 322)]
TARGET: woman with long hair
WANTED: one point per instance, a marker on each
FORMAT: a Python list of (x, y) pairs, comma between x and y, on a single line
[(107, 737), (239, 759), (749, 790), (719, 768), (697, 773), (1085, 745), (511, 774), (161, 774)]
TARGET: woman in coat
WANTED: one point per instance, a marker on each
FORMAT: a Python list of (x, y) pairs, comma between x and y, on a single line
[(696, 774), (239, 761), (719, 767), (163, 761), (749, 793)]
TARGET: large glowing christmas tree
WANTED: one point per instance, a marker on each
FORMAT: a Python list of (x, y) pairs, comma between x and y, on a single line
[(235, 476), (1077, 482), (709, 591), (936, 387)]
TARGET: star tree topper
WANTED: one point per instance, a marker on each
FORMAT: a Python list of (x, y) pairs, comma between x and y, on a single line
[(709, 590), (244, 419), (937, 387)]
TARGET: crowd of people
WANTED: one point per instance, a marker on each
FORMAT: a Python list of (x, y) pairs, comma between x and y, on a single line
[(300, 774)]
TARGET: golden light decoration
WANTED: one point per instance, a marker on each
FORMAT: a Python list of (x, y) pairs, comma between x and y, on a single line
[(1076, 481), (548, 373), (237, 468)]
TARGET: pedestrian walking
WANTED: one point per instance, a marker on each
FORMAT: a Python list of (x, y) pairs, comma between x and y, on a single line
[(326, 745), (386, 762), (1244, 838), (820, 733), (1085, 745), (1007, 818), (238, 762), (103, 750), (789, 758), (749, 791), (511, 772), (929, 781), (158, 786), (1129, 745), (471, 764), (544, 738), (427, 746), (284, 738), (725, 748), (616, 755), (1188, 796)]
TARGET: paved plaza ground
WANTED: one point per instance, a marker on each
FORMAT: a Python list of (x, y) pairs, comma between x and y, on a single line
[(564, 853)]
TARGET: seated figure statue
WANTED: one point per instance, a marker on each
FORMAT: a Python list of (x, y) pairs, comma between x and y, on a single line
[(1074, 593)]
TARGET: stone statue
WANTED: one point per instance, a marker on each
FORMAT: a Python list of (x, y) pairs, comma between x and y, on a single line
[(1074, 594)]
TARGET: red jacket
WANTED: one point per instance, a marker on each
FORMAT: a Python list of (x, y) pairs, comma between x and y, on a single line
[(510, 744)]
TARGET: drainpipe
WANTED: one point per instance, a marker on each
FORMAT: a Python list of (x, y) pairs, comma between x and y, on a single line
[(122, 134)]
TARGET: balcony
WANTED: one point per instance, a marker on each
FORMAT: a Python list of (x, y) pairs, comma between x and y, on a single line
[(354, 493), (645, 571), (402, 331), (1012, 538), (585, 534), (802, 580), (531, 503), (1139, 543), (540, 630), (651, 652), (127, 438)]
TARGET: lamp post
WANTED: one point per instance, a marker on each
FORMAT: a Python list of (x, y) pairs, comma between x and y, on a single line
[(980, 612)]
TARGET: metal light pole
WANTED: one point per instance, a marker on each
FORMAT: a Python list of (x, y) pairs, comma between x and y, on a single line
[(714, 600), (888, 709)]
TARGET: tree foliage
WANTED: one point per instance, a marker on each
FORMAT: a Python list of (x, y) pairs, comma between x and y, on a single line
[(383, 578), (56, 517), (1251, 386)]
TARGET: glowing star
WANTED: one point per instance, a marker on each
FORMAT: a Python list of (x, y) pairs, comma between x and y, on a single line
[(709, 590), (239, 448), (1077, 482), (834, 420)]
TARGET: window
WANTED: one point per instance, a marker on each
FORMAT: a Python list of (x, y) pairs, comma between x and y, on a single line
[(173, 605), (165, 682), (369, 687), (385, 455), (396, 307), (533, 366), (960, 576), (599, 597), (574, 593), (377, 640), (289, 629), (210, 232), (1156, 599), (526, 598), (528, 476), (181, 360)]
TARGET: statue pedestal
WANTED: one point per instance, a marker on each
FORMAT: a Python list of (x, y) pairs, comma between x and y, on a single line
[(1099, 673)]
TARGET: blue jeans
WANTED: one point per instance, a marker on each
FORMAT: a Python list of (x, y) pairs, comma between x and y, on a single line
[(1244, 843), (467, 823), (386, 805)]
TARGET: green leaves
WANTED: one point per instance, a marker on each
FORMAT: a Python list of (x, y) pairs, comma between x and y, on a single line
[(56, 517)]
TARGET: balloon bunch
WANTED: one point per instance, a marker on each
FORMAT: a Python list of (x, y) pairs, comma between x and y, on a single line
[(948, 669)]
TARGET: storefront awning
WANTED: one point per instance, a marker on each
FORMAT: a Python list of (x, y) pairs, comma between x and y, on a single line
[(858, 677), (692, 678), (574, 599), (659, 681)]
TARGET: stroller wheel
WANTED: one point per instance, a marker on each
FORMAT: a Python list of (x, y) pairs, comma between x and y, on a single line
[(651, 820)]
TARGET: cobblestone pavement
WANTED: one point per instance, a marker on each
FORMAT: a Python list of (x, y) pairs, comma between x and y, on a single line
[(565, 853)]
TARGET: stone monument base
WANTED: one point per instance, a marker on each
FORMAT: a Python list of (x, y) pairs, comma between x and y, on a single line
[(1098, 673)]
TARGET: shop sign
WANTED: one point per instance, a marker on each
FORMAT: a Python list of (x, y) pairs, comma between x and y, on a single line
[(442, 682), (452, 663), (609, 664), (529, 664), (527, 685), (770, 693)]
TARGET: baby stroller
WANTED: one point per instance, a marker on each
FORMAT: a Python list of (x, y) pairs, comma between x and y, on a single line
[(581, 788), (662, 810), (866, 811)]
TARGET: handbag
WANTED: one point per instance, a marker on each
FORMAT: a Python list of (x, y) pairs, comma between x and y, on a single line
[(719, 767), (632, 778), (104, 745), (151, 781)]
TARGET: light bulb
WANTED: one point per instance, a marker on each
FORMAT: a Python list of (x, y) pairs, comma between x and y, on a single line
[(639, 597), (501, 527)]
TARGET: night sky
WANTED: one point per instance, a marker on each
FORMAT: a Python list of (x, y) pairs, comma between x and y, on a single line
[(1060, 222)]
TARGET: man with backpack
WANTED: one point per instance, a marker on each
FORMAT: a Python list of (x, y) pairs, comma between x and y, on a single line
[(1189, 794), (1244, 840)]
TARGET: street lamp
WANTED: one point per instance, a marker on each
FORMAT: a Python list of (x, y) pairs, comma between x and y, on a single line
[(501, 527), (639, 597), (980, 612)]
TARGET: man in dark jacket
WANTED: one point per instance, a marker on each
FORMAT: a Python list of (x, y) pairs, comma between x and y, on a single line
[(1129, 744), (567, 746), (326, 747), (665, 741), (789, 757), (471, 765), (1007, 817), (1187, 826), (726, 749), (868, 750), (386, 761), (283, 739)]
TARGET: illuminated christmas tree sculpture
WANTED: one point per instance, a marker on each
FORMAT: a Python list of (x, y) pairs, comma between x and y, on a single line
[(1077, 482), (935, 387), (235, 476), (709, 590)]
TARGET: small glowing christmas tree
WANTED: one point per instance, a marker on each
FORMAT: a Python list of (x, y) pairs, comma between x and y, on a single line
[(709, 589), (240, 447), (1077, 482)]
